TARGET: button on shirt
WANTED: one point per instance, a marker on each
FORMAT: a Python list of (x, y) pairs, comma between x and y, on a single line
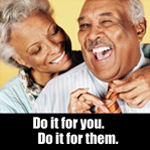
[(55, 96)]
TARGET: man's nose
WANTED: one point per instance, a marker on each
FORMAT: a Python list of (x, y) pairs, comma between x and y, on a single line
[(96, 32)]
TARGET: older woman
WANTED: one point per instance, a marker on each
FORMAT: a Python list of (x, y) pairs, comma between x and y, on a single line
[(31, 41)]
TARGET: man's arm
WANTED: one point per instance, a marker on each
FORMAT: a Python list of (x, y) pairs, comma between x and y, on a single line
[(135, 89)]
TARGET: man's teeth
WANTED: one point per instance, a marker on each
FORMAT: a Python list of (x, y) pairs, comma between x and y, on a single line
[(101, 49), (60, 58)]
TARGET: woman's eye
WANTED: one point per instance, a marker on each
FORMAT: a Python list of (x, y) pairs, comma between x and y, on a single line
[(38, 50), (55, 31)]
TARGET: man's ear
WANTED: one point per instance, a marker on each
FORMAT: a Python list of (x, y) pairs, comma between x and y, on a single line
[(21, 61), (141, 29)]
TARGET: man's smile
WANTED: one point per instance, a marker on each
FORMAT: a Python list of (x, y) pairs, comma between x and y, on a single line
[(101, 53), (101, 50)]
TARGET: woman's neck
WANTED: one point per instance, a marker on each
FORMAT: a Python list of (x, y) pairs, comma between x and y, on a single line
[(41, 78)]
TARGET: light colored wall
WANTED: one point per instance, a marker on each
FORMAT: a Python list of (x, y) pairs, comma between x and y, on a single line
[(66, 14)]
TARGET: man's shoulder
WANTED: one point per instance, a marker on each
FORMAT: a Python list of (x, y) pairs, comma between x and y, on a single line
[(76, 72), (76, 69)]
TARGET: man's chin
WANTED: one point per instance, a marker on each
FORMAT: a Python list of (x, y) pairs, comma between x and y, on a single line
[(109, 77)]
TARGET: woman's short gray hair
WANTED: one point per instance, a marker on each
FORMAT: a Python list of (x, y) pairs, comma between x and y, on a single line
[(13, 12), (136, 11)]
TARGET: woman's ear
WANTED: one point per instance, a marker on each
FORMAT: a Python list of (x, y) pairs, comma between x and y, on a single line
[(141, 29), (21, 61)]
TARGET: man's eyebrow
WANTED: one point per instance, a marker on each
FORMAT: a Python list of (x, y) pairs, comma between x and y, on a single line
[(103, 14), (106, 14), (80, 19)]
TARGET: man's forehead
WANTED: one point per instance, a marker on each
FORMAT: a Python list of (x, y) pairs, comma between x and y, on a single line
[(106, 0), (92, 2), (90, 6)]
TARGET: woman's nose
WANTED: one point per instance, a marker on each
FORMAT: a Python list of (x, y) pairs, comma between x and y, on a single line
[(53, 48)]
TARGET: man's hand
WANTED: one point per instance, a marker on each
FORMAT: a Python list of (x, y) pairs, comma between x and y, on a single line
[(135, 89), (81, 101)]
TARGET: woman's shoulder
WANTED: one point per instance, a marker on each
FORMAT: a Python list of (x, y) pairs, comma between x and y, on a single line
[(11, 83), (13, 97)]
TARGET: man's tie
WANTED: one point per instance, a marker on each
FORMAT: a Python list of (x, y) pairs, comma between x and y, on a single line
[(113, 106)]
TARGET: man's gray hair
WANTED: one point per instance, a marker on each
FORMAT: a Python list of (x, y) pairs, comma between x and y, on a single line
[(136, 11), (13, 12)]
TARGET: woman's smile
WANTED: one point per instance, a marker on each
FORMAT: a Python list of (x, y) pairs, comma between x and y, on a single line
[(62, 57)]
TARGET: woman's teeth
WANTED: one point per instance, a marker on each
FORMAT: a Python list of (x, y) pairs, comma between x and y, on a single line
[(59, 59)]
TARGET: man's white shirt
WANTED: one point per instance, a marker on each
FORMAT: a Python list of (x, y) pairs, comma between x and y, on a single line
[(55, 97)]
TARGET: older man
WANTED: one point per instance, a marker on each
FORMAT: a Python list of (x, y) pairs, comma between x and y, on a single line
[(110, 33)]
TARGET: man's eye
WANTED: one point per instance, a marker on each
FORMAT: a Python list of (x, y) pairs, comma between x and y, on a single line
[(84, 26), (106, 21)]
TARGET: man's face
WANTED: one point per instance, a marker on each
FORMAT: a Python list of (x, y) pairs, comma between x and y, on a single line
[(108, 39)]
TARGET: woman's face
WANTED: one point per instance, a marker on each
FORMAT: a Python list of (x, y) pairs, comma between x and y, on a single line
[(42, 44)]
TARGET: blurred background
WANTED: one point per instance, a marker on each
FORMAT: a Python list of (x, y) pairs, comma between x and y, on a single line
[(66, 14)]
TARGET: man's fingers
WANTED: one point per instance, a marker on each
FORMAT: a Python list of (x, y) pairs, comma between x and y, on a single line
[(78, 92), (119, 82), (126, 87), (142, 99), (133, 93), (84, 105), (143, 103), (95, 101), (106, 102), (91, 98), (87, 112), (123, 81), (85, 100), (130, 94), (74, 105), (139, 101), (80, 107)]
